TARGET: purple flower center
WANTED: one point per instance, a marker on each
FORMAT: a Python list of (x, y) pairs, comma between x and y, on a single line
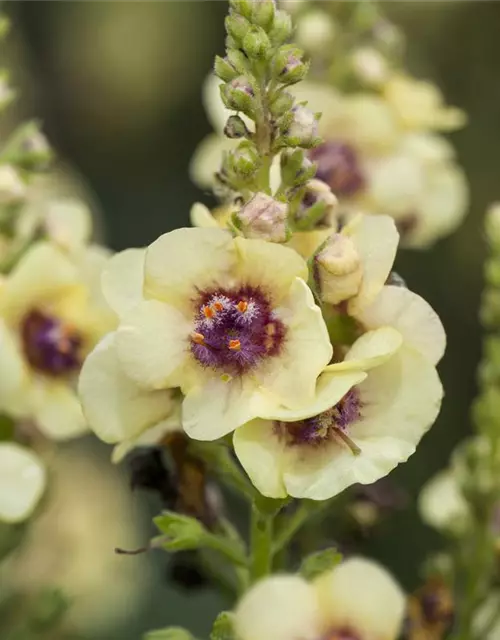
[(50, 346), (342, 634), (235, 329), (338, 166), (332, 423)]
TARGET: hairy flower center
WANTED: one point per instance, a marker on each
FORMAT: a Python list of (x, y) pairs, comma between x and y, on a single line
[(50, 346), (333, 423), (339, 167), (234, 330)]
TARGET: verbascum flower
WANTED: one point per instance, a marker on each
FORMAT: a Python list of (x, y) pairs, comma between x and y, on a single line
[(368, 414), (375, 164), (229, 321), (442, 504), (358, 600), (51, 316), (22, 482)]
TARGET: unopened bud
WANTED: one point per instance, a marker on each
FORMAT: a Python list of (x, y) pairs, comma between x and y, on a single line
[(224, 69), (238, 95), (244, 7), (282, 104), (263, 13), (236, 128), (370, 66), (237, 26), (12, 188), (296, 169), (239, 61), (315, 32), (338, 269), (289, 67), (318, 205), (244, 161), (28, 148), (303, 129), (256, 43), (282, 28), (264, 218)]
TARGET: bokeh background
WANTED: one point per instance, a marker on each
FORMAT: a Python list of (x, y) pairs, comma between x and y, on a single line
[(117, 87)]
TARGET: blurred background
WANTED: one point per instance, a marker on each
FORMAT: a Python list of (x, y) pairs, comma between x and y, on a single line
[(117, 87)]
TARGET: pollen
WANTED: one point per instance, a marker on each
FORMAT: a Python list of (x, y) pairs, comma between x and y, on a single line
[(271, 329), (234, 345), (208, 312), (218, 306), (242, 306), (198, 338)]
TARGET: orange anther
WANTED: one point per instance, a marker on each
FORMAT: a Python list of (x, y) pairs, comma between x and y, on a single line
[(218, 306), (242, 306), (234, 345), (198, 338), (271, 329), (208, 312)]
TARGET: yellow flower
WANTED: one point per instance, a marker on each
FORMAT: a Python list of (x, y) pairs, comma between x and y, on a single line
[(22, 482), (420, 104), (51, 315), (229, 321), (442, 505), (359, 599), (368, 414)]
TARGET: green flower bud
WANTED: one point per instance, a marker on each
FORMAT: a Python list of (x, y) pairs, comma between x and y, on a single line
[(243, 7), (320, 562), (223, 628), (263, 218), (256, 43), (318, 206), (289, 67), (282, 28), (244, 161), (181, 532), (236, 128), (237, 26), (239, 61), (263, 13), (28, 148), (238, 95), (282, 104), (303, 128), (296, 169), (224, 69)]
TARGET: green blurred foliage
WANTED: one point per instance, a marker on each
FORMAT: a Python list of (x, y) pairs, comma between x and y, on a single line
[(118, 86)]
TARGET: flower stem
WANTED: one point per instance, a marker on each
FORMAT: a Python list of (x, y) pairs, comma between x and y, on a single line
[(261, 540), (290, 525)]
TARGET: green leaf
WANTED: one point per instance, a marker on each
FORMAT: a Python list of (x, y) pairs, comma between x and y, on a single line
[(170, 633), (320, 562), (223, 628)]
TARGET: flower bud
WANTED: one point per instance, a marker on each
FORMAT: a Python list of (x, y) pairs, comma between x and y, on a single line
[(256, 43), (224, 69), (239, 61), (282, 104), (238, 95), (338, 269), (303, 129), (282, 28), (236, 128), (182, 532), (243, 7), (244, 161), (12, 188), (370, 66), (237, 26), (289, 67), (263, 13), (263, 218), (296, 169), (315, 32), (28, 148), (318, 193)]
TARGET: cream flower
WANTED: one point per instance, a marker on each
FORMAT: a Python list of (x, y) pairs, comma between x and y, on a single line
[(229, 321), (358, 600), (369, 413), (22, 482), (442, 505), (50, 317)]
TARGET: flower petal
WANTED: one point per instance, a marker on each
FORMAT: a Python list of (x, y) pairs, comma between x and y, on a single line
[(370, 350), (412, 316), (260, 451), (361, 595), (216, 408), (151, 436), (115, 407), (122, 280), (200, 216), (441, 503), (292, 375), (42, 274), (376, 240), (186, 260), (270, 266), (152, 344), (13, 372), (207, 159), (278, 608), (22, 482), (56, 410)]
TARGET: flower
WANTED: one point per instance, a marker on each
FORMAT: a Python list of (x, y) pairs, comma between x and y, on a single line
[(442, 504), (22, 482), (230, 321), (51, 315), (358, 600), (368, 414)]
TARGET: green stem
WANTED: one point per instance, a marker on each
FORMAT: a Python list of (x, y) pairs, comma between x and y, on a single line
[(290, 525), (261, 540), (227, 548)]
